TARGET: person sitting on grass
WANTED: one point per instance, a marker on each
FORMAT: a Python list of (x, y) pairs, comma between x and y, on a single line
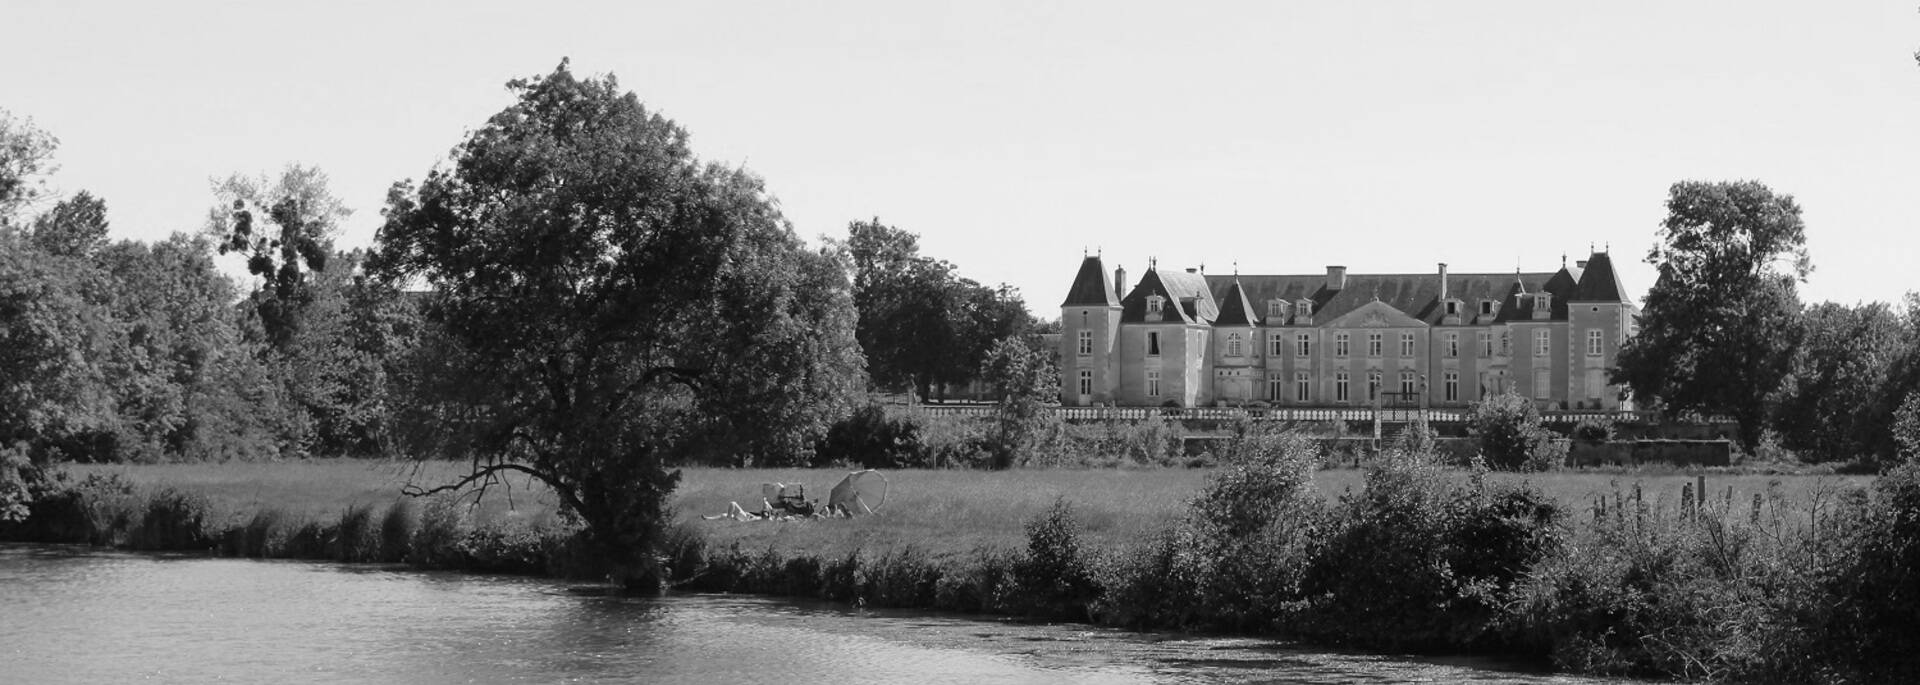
[(787, 511)]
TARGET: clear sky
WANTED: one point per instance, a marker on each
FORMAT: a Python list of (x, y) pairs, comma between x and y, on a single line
[(1284, 136)]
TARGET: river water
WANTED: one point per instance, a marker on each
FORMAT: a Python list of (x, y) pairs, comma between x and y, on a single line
[(80, 615)]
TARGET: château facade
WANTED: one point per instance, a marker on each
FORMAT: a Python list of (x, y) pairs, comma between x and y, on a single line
[(1186, 338)]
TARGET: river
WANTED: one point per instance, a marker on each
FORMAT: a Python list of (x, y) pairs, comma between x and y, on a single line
[(80, 615)]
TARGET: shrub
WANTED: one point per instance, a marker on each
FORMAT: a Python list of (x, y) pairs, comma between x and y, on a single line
[(442, 525), (1054, 578), (1906, 429), (1511, 437), (396, 531), (355, 538), (873, 439), (174, 520), (1593, 430)]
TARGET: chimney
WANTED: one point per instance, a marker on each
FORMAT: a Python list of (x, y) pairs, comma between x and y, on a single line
[(1120, 282), (1192, 270), (1580, 264), (1443, 280), (1336, 277)]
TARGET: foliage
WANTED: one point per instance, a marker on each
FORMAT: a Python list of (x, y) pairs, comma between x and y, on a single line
[(1023, 383), (53, 342), (1511, 435), (872, 438), (1827, 409), (605, 304), (305, 215), (75, 227), (1593, 430), (1054, 578), (920, 323), (1906, 429), (1720, 325), (26, 159)]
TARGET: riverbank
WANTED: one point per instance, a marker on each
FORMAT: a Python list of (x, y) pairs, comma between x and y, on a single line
[(1405, 557)]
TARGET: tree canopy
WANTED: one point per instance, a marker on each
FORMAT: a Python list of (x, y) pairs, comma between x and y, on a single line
[(920, 323), (607, 305), (1720, 325)]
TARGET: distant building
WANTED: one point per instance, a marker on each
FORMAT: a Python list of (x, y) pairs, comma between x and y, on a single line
[(1336, 339)]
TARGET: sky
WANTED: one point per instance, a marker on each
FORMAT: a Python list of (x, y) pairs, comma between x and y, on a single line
[(1264, 137)]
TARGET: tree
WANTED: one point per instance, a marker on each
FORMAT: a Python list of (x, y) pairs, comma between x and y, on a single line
[(1023, 382), (52, 342), (1722, 320), (920, 324), (305, 217), (604, 305), (26, 158), (76, 227), (1839, 374)]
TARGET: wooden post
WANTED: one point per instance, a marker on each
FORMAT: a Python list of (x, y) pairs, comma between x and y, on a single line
[(1686, 501), (1700, 488)]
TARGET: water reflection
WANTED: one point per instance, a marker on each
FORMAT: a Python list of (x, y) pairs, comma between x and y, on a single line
[(81, 615)]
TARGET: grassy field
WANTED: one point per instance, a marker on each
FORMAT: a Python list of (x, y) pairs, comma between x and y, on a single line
[(941, 513)]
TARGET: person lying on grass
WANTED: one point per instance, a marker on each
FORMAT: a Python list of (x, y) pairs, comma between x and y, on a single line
[(788, 510)]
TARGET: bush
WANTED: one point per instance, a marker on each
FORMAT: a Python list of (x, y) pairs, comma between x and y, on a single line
[(1055, 579), (1593, 430), (872, 439), (174, 520), (396, 531), (1511, 437), (442, 526), (355, 538)]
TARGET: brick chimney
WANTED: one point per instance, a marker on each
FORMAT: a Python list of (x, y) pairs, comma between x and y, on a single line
[(1443, 280), (1336, 277), (1120, 282)]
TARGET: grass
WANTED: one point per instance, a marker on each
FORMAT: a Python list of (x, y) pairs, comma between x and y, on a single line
[(941, 513)]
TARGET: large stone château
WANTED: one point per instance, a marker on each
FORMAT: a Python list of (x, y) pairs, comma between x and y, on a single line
[(1186, 338)]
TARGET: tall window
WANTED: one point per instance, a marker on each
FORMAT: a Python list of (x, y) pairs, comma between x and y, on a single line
[(1086, 343), (1506, 342), (1373, 344), (1486, 344), (1450, 344), (1302, 386), (1276, 344), (1542, 343), (1406, 344), (1451, 383), (1542, 384), (1373, 387), (1153, 383), (1153, 343), (1406, 382), (1303, 345), (1596, 342), (1276, 388), (1235, 345), (1340, 386), (1340, 344), (1086, 381)]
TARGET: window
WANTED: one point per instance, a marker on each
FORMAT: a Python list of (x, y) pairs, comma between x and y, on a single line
[(1373, 387), (1276, 345), (1276, 388), (1453, 308), (1542, 343), (1340, 344), (1235, 346), (1506, 342), (1154, 303), (1406, 344), (1486, 343), (1373, 344), (1086, 343), (1086, 381), (1406, 382), (1451, 384), (1543, 301), (1486, 307), (1542, 384), (1153, 383), (1340, 386), (1596, 343), (1303, 386), (1450, 344), (1596, 382), (1276, 308), (1303, 345), (1304, 309), (1153, 343)]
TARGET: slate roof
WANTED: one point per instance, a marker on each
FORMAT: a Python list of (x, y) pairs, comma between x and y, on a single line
[(1234, 308), (1599, 283), (1091, 287), (1189, 297), (1417, 295)]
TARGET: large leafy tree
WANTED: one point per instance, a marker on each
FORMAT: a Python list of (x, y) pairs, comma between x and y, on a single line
[(26, 158), (1840, 372), (920, 323), (605, 304), (1719, 329), (284, 225)]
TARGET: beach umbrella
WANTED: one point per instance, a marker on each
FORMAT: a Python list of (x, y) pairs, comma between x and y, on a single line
[(861, 492)]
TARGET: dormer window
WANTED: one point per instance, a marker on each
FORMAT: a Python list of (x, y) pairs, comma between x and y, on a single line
[(1453, 307), (1303, 309), (1154, 304), (1542, 306), (1276, 308), (1486, 307)]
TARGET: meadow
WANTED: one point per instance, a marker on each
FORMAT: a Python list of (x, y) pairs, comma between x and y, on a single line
[(940, 513)]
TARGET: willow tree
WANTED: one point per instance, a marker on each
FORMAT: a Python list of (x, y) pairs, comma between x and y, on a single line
[(604, 306)]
